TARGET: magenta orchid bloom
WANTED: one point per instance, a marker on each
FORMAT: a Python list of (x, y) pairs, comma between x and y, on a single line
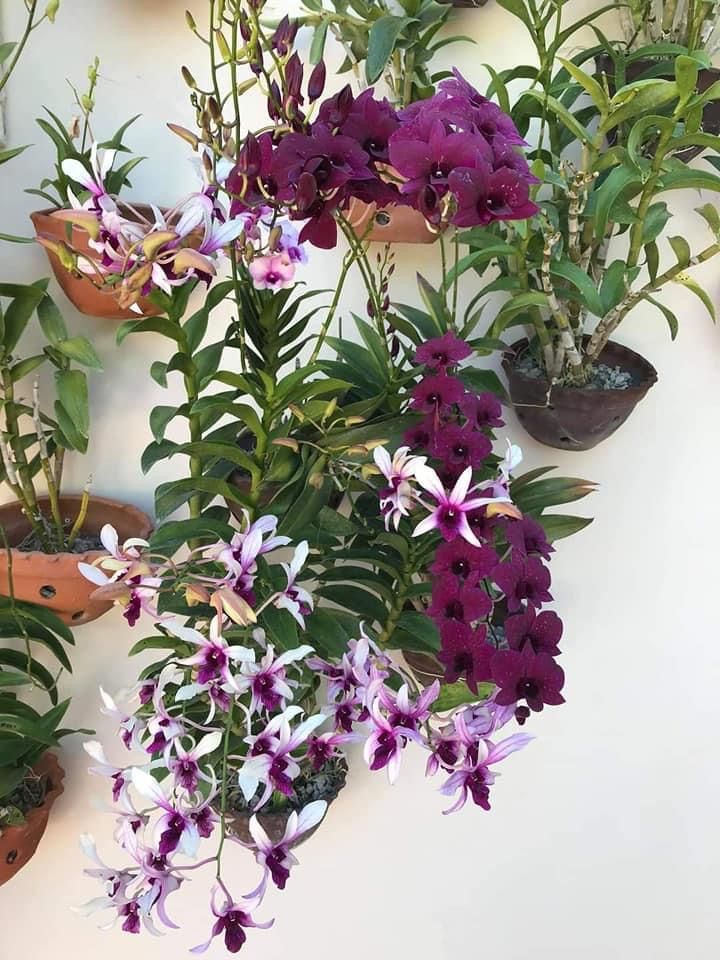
[(174, 830), (449, 515), (101, 162), (163, 727), (102, 768)]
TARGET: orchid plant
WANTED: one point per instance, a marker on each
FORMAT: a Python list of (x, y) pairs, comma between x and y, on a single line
[(227, 724), (76, 150), (692, 24), (569, 284)]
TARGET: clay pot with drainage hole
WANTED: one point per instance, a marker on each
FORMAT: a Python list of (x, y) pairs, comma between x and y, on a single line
[(576, 418), (391, 224), (19, 843), (53, 580)]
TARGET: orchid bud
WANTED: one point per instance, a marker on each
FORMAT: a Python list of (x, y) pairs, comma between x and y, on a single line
[(256, 60), (358, 450), (244, 25), (137, 280), (190, 21), (354, 421), (187, 135), (73, 129), (87, 103), (307, 191), (316, 481), (330, 408), (246, 85), (288, 442), (93, 70), (294, 76), (155, 241), (250, 157), (195, 594), (214, 109), (316, 83), (296, 412), (51, 10), (369, 470), (274, 238), (249, 253), (274, 100), (188, 78), (284, 36), (223, 46)]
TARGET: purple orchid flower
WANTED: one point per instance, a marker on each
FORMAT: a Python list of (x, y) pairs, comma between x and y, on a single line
[(436, 394), (449, 517), (185, 765), (465, 653), (474, 779), (484, 195), (539, 631), (131, 727), (276, 858), (460, 559), (397, 498), (267, 679), (460, 446), (394, 721), (174, 830), (371, 122), (214, 657), (533, 677), (323, 747), (163, 727), (275, 272), (296, 600), (276, 768), (232, 919), (454, 602), (527, 580), (442, 352), (527, 537), (483, 411), (117, 775)]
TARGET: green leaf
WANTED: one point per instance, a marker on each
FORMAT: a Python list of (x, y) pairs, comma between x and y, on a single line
[(613, 285), (482, 381), (174, 533), (330, 521), (240, 411), (51, 320), (366, 605), (6, 49), (381, 43), (19, 311), (578, 278), (162, 325), (19, 661), (154, 643), (589, 85), (695, 287), (681, 249), (281, 626), (550, 492), (690, 179), (617, 181), (416, 631), (709, 212), (668, 314), (455, 694), (652, 255), (637, 99), (158, 371), (317, 47), (160, 417), (655, 221), (686, 76), (557, 525), (24, 367), (81, 350), (326, 632), (210, 450), (170, 496), (6, 155), (72, 391), (561, 112)]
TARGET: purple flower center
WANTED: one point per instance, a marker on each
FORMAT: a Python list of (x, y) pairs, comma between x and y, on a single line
[(386, 747), (454, 610), (527, 689), (460, 567), (275, 864)]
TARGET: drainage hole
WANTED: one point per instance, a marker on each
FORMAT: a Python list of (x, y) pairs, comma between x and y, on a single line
[(11, 857), (47, 592), (382, 219), (565, 440), (78, 615)]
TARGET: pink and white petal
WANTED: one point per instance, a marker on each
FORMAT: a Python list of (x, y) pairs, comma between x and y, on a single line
[(93, 574), (310, 815), (425, 526), (430, 481), (465, 531)]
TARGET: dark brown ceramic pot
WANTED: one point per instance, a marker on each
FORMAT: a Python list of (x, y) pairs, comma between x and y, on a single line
[(576, 418), (391, 224), (53, 580), (638, 68), (274, 824), (18, 844), (80, 291)]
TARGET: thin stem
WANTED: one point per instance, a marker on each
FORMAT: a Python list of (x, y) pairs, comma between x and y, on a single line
[(348, 261), (81, 517), (17, 53)]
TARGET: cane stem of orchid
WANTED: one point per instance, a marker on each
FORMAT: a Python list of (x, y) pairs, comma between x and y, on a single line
[(348, 261), (81, 516), (223, 788), (375, 297), (409, 67), (17, 53), (237, 288), (52, 488), (456, 278), (12, 424)]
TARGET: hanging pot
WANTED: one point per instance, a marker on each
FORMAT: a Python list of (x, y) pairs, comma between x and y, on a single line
[(18, 844), (707, 76), (396, 223), (53, 580), (274, 823), (576, 418), (464, 3), (81, 291)]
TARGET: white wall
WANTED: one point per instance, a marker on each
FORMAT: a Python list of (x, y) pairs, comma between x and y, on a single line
[(603, 840)]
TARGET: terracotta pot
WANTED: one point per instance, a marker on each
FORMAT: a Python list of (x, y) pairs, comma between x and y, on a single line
[(635, 71), (274, 824), (18, 844), (576, 418), (53, 580), (80, 291), (392, 224)]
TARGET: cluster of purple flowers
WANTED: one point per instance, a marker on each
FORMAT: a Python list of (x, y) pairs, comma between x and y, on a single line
[(490, 578), (454, 157)]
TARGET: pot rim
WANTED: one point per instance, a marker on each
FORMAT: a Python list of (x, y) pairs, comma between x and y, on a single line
[(13, 508), (649, 373)]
